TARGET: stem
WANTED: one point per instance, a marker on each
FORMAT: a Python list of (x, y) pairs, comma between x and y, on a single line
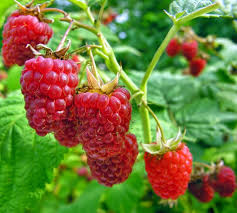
[(60, 46), (197, 13), (146, 126), (100, 17), (157, 55), (203, 165), (45, 10), (156, 119), (90, 16), (80, 25)]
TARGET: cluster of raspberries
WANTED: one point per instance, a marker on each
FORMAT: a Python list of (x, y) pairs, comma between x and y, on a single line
[(189, 50), (98, 121), (223, 182)]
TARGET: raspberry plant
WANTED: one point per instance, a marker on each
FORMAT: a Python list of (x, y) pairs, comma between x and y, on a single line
[(93, 109)]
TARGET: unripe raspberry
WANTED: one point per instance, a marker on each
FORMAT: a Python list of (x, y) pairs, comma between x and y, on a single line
[(104, 119), (169, 173), (224, 182), (173, 47), (19, 31), (48, 86), (115, 169), (196, 66), (202, 190), (189, 49)]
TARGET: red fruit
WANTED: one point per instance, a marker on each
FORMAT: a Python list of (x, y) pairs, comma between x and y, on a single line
[(173, 47), (202, 190), (169, 173), (109, 19), (19, 31), (3, 75), (189, 49), (48, 86), (104, 120), (76, 59), (115, 169), (224, 182), (83, 171), (196, 66)]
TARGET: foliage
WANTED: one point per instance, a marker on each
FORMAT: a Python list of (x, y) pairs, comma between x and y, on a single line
[(206, 107)]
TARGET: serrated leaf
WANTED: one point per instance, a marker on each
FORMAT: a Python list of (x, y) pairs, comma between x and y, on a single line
[(88, 202), (187, 6), (204, 120), (26, 160)]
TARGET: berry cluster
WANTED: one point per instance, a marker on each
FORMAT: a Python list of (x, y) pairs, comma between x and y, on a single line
[(189, 50), (169, 173), (102, 130), (19, 31), (222, 181)]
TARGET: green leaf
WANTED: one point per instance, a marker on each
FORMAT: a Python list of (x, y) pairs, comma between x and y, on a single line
[(13, 79), (87, 202), (204, 120), (228, 7), (126, 49), (189, 6), (228, 51), (26, 160), (123, 198), (80, 3)]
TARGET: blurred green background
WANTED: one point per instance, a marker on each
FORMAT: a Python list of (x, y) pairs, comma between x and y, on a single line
[(206, 106)]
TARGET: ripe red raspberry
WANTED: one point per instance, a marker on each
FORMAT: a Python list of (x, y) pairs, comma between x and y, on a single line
[(196, 66), (202, 190), (48, 86), (19, 31), (224, 182), (104, 119), (169, 173), (173, 47), (115, 169), (189, 49)]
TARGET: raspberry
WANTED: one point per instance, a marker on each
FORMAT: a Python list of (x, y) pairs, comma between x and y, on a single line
[(173, 47), (76, 59), (115, 169), (202, 190), (189, 49), (48, 86), (19, 31), (224, 182), (104, 119), (196, 66), (169, 173)]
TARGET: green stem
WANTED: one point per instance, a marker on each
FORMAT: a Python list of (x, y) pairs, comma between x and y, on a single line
[(101, 12), (197, 13), (90, 16), (157, 56), (146, 125)]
